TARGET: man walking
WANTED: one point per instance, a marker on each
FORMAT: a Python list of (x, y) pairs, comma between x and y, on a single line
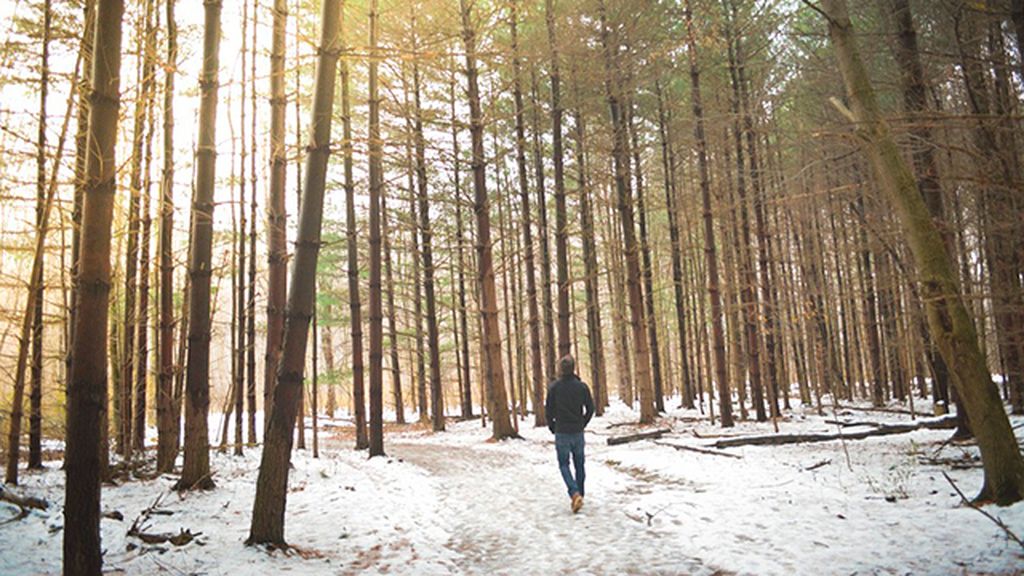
[(569, 407)]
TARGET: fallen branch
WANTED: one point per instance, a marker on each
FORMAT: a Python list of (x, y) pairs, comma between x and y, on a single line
[(825, 462), (639, 436), (697, 434), (699, 450), (874, 409), (850, 424), (997, 521), (886, 430), (24, 503), (140, 525), (954, 463)]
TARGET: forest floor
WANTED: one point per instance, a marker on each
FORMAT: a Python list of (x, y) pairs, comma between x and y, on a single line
[(454, 503)]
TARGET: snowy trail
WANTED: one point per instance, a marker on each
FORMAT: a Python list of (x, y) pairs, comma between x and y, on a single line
[(509, 514)]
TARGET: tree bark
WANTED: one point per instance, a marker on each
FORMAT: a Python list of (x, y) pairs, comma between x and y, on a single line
[(999, 195), (87, 396), (376, 424), (494, 376), (277, 248), (433, 339), (714, 293), (646, 273), (533, 313), (671, 202), (35, 427), (138, 438), (196, 470), (595, 337), (467, 389), (238, 399), (167, 418), (620, 158), (947, 315), (915, 93), (250, 314), (123, 409), (272, 483), (547, 306), (352, 256), (557, 156), (396, 371)]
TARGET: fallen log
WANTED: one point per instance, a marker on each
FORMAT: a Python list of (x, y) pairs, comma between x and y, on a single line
[(854, 423), (882, 410), (184, 536), (699, 450), (638, 436), (944, 423), (24, 503)]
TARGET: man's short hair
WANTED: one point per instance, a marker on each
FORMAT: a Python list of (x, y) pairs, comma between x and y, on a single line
[(566, 366)]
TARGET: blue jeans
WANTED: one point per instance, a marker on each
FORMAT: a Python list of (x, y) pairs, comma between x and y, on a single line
[(566, 444)]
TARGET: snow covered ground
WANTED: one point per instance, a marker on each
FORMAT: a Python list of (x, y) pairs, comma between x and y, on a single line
[(453, 503)]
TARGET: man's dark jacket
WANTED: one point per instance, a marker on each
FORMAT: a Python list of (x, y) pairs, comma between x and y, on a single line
[(569, 405)]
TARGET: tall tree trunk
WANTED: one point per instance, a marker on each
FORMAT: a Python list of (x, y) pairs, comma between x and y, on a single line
[(81, 135), (277, 247), (915, 101), (620, 157), (998, 197), (352, 256), (433, 339), (747, 274), (272, 483), (327, 346), (467, 390), (617, 288), (536, 366), (196, 469), (87, 397), (178, 395), (35, 426), (315, 408), (561, 218), (241, 308), (542, 232), (376, 153), (33, 303), (767, 312), (714, 293), (595, 337), (420, 376), (142, 336), (250, 308), (646, 266), (396, 371), (167, 418), (123, 410), (947, 315), (494, 376), (870, 314), (668, 163)]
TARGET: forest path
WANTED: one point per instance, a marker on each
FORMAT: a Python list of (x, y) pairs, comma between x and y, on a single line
[(508, 512)]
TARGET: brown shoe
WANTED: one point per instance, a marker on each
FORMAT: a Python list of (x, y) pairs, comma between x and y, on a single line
[(577, 502)]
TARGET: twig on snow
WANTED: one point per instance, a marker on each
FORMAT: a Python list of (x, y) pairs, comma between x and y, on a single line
[(699, 450), (997, 521), (818, 465)]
